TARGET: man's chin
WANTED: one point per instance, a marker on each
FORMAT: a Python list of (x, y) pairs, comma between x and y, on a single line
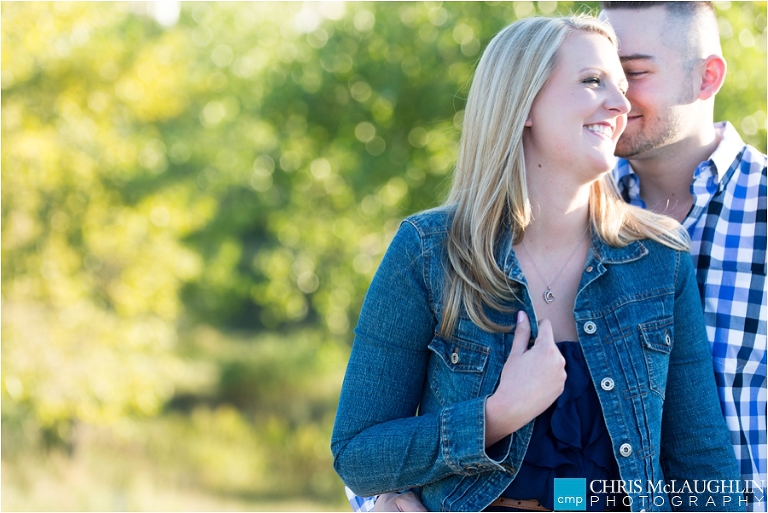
[(628, 148), (631, 141)]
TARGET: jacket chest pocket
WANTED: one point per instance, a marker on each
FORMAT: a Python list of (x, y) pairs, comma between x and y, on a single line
[(456, 369), (657, 339)]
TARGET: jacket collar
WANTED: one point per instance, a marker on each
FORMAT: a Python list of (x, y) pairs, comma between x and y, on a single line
[(601, 252), (613, 255)]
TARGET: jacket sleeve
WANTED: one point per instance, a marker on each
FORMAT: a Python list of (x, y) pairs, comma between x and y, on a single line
[(695, 443), (379, 444)]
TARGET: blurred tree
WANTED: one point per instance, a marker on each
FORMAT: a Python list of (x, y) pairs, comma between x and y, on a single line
[(243, 167), (742, 100), (92, 257)]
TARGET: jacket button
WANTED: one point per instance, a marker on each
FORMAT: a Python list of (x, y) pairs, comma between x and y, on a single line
[(607, 384), (667, 339), (589, 327), (625, 450), (455, 358), (589, 269)]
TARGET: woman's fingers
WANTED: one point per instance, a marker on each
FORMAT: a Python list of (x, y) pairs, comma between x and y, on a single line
[(522, 334)]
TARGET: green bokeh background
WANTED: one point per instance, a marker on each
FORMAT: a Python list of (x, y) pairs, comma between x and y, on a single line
[(191, 213)]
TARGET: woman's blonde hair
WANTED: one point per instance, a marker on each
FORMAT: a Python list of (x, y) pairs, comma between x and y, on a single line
[(489, 192)]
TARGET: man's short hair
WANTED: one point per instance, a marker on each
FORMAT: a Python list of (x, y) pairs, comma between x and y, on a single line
[(688, 9), (693, 25)]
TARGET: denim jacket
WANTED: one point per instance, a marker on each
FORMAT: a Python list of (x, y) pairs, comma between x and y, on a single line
[(412, 407)]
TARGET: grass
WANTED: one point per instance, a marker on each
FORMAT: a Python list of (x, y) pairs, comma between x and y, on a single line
[(254, 438), (99, 478)]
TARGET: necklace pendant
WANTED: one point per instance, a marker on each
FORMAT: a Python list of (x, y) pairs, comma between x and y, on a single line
[(549, 296)]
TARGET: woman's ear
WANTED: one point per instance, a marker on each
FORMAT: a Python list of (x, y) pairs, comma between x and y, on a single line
[(528, 121)]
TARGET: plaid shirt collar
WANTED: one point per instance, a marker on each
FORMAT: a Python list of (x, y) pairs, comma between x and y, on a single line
[(709, 177)]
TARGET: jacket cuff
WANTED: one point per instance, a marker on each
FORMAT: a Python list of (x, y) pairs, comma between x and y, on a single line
[(462, 438)]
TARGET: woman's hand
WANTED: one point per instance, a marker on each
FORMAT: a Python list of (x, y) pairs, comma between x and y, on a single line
[(531, 380), (398, 502)]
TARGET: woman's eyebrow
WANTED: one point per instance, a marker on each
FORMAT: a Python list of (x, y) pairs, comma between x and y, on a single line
[(596, 69)]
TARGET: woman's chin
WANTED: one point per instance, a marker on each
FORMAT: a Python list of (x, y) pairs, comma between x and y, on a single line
[(605, 163)]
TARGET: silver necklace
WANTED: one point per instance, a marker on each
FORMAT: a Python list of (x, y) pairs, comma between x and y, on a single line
[(548, 295)]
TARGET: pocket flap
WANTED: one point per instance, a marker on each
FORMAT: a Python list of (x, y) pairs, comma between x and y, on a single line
[(460, 355), (658, 335)]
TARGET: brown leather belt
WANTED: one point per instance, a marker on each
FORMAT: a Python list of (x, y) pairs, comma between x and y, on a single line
[(526, 505)]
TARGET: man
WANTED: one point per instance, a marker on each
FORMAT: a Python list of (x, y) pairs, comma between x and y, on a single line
[(676, 161)]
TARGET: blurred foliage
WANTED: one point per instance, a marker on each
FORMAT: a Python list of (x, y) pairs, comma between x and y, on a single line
[(168, 187), (254, 436)]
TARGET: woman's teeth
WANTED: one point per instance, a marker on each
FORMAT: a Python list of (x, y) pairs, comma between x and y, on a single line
[(601, 129)]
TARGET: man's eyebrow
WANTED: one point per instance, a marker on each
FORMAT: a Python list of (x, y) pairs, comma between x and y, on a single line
[(636, 57)]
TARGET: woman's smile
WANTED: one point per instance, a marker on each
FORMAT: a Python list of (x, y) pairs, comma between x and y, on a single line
[(604, 130)]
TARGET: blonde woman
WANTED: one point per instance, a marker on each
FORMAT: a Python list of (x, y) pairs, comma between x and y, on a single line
[(535, 326)]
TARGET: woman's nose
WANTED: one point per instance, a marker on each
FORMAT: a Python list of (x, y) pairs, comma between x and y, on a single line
[(618, 101)]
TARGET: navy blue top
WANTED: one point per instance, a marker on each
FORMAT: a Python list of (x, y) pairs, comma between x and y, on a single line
[(569, 440)]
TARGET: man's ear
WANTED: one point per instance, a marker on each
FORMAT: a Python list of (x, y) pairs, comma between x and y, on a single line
[(712, 76)]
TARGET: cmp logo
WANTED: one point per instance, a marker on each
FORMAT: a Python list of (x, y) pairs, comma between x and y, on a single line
[(570, 494)]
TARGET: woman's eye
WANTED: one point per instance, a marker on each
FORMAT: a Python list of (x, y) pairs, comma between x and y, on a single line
[(592, 80)]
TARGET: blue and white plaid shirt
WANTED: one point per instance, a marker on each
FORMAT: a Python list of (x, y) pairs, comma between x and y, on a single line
[(360, 503), (727, 225)]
